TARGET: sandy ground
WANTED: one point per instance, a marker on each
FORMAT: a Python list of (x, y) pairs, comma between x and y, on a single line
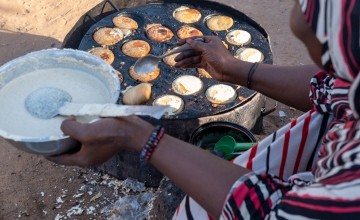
[(34, 188)]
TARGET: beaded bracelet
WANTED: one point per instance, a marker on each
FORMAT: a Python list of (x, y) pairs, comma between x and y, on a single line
[(250, 74), (152, 143)]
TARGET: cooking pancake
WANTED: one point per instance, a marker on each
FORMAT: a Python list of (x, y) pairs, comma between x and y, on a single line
[(238, 37), (176, 103), (203, 73), (170, 60), (136, 48), (108, 36), (144, 77), (219, 23), (124, 22), (158, 32), (103, 53), (220, 94), (187, 31), (186, 15), (187, 85), (120, 76), (225, 44), (251, 55)]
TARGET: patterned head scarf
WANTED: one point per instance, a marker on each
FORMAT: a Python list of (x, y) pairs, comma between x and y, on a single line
[(336, 24)]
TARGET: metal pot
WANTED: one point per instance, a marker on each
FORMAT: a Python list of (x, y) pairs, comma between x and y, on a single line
[(55, 58), (208, 134)]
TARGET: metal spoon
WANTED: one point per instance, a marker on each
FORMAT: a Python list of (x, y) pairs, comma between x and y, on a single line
[(149, 63), (48, 102)]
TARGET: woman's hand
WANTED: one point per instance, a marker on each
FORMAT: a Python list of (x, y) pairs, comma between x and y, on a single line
[(209, 54), (102, 139)]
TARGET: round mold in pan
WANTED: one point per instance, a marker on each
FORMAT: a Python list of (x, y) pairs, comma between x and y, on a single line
[(187, 85), (189, 27), (207, 18), (195, 106), (164, 27), (134, 17)]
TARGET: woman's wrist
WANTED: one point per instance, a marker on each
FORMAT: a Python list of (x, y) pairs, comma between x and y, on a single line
[(138, 132), (236, 71)]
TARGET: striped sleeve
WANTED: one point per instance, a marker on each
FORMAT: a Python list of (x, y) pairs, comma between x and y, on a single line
[(254, 195), (262, 196), (334, 193)]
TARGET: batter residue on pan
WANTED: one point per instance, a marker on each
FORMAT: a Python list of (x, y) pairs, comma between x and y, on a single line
[(219, 23), (144, 77), (187, 15), (220, 94), (176, 103), (103, 53), (124, 22), (108, 36), (136, 48), (188, 31)]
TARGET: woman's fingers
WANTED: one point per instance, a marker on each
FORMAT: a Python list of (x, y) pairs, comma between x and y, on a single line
[(181, 42), (67, 159), (187, 62), (74, 129), (187, 54)]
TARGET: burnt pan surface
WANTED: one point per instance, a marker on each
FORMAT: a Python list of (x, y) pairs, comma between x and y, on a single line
[(196, 106)]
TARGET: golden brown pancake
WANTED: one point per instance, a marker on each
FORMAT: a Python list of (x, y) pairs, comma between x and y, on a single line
[(137, 95), (187, 15), (120, 76), (103, 53), (225, 44), (136, 48), (219, 23), (108, 36), (170, 60), (188, 31), (144, 77), (158, 33), (203, 73), (124, 22)]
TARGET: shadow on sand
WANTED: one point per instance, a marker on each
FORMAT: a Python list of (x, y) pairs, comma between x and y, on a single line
[(15, 44)]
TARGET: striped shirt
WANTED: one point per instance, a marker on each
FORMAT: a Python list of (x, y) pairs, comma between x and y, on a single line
[(310, 168)]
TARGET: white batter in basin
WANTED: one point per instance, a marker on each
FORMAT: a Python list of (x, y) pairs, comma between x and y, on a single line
[(87, 78)]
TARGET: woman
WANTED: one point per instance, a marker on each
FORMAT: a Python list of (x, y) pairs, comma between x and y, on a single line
[(272, 180)]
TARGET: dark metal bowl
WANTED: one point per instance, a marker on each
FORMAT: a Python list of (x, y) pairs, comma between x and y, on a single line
[(206, 135)]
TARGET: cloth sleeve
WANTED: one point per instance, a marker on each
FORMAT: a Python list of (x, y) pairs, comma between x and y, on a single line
[(254, 196)]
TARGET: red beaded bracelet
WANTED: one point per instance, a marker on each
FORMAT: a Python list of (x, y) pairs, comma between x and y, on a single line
[(152, 143)]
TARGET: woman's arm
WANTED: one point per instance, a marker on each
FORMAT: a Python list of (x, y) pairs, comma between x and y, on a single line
[(203, 176), (289, 85), (200, 174)]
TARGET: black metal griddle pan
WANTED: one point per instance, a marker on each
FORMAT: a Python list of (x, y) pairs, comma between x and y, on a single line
[(196, 106)]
